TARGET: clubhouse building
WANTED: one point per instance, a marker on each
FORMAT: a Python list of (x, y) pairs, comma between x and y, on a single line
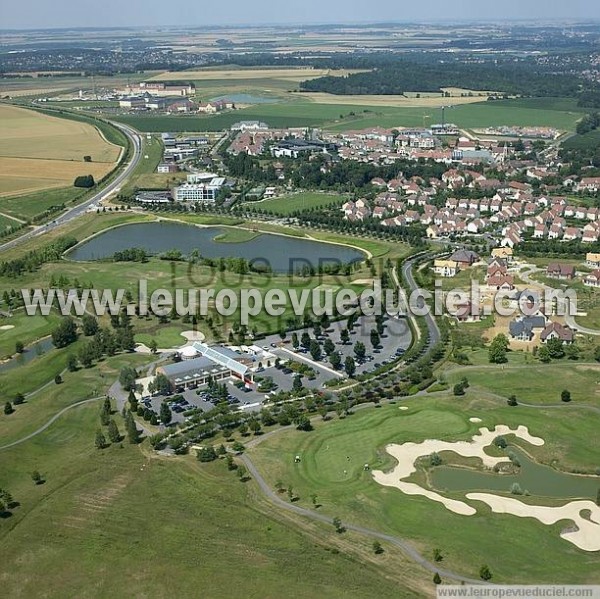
[(199, 363)]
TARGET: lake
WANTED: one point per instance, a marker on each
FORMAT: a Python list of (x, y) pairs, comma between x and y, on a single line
[(35, 350), (282, 254), (536, 478)]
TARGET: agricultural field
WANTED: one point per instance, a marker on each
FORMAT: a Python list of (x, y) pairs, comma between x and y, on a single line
[(45, 152), (332, 466), (7, 222), (28, 205), (342, 116)]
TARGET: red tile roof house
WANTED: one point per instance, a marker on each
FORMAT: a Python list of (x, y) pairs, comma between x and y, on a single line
[(592, 279), (466, 312), (560, 271), (500, 281), (555, 330), (589, 184)]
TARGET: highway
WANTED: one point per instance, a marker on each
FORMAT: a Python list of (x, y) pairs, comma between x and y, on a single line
[(78, 210)]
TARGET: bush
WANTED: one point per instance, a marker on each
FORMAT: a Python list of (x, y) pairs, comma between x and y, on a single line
[(85, 181)]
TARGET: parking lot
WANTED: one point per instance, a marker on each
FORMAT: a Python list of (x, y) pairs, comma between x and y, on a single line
[(394, 340)]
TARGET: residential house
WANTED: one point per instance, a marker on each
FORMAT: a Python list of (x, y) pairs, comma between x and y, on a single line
[(555, 330), (560, 271), (445, 268)]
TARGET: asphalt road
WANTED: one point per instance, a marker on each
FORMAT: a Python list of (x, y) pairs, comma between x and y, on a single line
[(434, 335), (78, 210)]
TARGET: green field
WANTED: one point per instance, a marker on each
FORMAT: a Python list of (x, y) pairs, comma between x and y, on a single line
[(28, 206), (533, 382), (332, 466), (122, 522), (7, 223), (300, 201), (561, 114)]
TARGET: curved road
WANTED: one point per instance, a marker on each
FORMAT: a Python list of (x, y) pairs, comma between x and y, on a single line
[(136, 142), (42, 428), (404, 546), (434, 335)]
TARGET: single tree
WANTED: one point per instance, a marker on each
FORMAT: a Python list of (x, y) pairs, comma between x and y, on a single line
[(8, 409), (437, 579), (37, 478), (437, 555), (58, 379), (295, 341), (498, 349), (71, 363), (100, 440), (565, 396), (377, 548), (485, 573), (345, 336), (350, 366), (375, 339), (165, 413), (360, 351), (328, 346), (19, 347), (335, 360), (19, 399), (113, 432)]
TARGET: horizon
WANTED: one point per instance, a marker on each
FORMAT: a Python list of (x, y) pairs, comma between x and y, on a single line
[(67, 14)]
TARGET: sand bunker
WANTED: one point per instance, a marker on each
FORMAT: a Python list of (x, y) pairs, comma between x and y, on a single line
[(475, 420), (403, 408), (7, 327), (408, 453), (193, 335), (587, 535)]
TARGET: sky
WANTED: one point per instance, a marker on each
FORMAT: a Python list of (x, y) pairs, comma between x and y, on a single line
[(32, 14)]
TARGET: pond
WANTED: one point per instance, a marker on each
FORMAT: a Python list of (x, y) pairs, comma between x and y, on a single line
[(33, 351), (283, 254), (247, 99), (535, 478)]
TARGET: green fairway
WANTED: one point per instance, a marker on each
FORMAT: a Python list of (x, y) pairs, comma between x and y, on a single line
[(25, 329), (332, 467), (303, 201)]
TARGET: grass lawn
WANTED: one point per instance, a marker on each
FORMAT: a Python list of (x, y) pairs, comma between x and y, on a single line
[(332, 466), (236, 235), (76, 386), (532, 381), (145, 170), (297, 202), (122, 522), (165, 336)]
